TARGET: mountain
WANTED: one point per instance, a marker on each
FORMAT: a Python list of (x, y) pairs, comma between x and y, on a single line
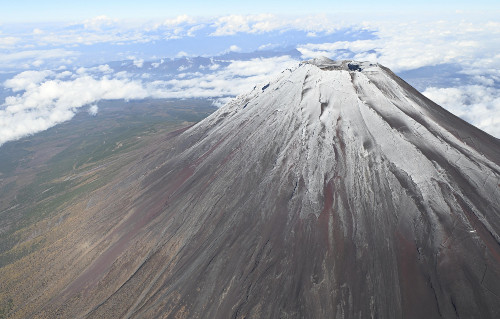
[(335, 190)]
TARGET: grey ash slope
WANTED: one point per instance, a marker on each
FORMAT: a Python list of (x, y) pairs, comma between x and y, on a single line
[(334, 191)]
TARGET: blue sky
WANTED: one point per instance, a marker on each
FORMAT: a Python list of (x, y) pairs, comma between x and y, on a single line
[(52, 51), (59, 10)]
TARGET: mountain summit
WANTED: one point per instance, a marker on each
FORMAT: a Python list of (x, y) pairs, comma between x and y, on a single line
[(335, 190)]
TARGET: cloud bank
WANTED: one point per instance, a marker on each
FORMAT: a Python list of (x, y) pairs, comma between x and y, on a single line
[(477, 104), (47, 98), (45, 102), (410, 45), (395, 41), (39, 99)]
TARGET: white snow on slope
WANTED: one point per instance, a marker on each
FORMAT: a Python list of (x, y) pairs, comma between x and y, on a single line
[(345, 118)]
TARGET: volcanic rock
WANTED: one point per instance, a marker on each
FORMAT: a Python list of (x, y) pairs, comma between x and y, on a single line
[(334, 191)]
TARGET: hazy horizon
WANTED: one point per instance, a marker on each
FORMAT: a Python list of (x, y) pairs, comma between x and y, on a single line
[(447, 50)]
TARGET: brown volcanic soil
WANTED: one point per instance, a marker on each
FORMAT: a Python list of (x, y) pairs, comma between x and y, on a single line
[(49, 215), (288, 204)]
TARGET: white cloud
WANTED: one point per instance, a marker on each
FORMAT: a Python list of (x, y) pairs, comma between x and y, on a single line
[(183, 68), (267, 46), (27, 80), (261, 23), (238, 77), (136, 62), (232, 24), (219, 102), (477, 104), (101, 69), (190, 32), (139, 62), (122, 75), (99, 22), (234, 48), (19, 59), (157, 64), (63, 75), (46, 90), (103, 29), (214, 66), (37, 63), (46, 102), (175, 28), (104, 68), (410, 45), (400, 45), (182, 19), (93, 110), (47, 98), (413, 44), (6, 42), (94, 31)]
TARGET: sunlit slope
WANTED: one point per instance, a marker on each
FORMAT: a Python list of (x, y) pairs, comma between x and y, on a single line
[(333, 190), (46, 179)]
